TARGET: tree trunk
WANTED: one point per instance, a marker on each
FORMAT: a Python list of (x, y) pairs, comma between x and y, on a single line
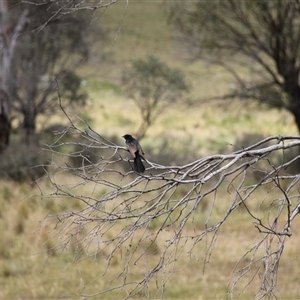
[(292, 88), (294, 108), (29, 127), (9, 33), (296, 114), (4, 122)]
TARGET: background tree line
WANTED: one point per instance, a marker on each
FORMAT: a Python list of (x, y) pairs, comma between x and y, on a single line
[(38, 38)]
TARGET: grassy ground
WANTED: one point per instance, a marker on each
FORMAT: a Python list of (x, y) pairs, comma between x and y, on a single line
[(29, 266), (32, 269)]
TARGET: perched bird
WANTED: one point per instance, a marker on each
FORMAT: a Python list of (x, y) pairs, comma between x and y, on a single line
[(135, 149)]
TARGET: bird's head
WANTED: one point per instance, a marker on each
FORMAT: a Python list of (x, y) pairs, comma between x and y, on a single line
[(127, 136)]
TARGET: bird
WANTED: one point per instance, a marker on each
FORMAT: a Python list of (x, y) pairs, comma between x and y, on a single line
[(135, 149)]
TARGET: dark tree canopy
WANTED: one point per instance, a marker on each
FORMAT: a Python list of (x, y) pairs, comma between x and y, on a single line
[(263, 36)]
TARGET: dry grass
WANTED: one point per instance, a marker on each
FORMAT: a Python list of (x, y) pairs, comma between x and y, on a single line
[(31, 267)]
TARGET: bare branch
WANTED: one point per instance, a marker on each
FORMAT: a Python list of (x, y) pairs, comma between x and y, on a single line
[(157, 212)]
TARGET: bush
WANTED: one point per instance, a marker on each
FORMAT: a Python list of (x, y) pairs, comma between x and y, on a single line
[(23, 163), (85, 153)]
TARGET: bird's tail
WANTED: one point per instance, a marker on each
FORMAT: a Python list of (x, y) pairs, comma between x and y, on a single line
[(138, 165)]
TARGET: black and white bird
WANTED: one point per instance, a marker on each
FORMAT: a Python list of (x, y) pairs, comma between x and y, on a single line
[(135, 149)]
